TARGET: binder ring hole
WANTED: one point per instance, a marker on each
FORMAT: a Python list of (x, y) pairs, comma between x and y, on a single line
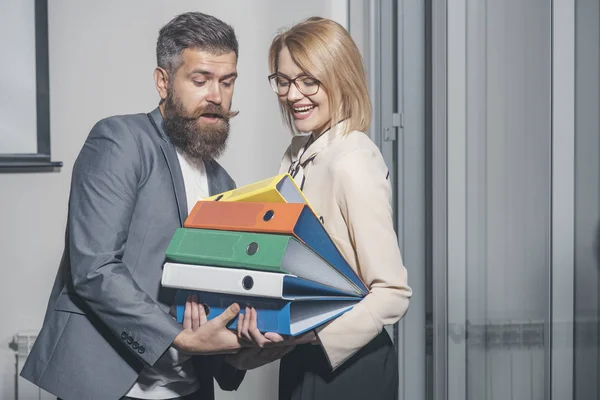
[(252, 248), (269, 215), (219, 197), (206, 309), (248, 282)]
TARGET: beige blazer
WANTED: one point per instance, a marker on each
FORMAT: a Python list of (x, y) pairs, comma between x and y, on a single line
[(346, 182)]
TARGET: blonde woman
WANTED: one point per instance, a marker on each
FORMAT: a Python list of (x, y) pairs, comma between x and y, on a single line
[(318, 76)]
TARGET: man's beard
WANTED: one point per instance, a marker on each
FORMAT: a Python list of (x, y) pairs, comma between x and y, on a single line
[(196, 139)]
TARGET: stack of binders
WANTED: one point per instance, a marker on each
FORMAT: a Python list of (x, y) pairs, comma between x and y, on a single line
[(261, 246)]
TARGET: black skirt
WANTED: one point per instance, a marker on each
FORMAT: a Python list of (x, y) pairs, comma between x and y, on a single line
[(371, 374)]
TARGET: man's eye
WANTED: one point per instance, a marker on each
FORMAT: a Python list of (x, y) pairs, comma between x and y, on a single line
[(199, 83), (227, 83)]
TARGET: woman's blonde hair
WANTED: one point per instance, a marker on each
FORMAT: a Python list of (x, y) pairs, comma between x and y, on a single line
[(323, 49)]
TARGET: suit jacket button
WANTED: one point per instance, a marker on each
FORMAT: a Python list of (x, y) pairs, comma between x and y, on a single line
[(141, 350), (129, 340), (135, 345), (124, 335)]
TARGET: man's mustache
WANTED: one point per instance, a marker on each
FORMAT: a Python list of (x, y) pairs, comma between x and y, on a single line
[(213, 110)]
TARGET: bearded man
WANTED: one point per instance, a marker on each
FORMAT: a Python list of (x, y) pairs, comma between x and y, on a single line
[(108, 332)]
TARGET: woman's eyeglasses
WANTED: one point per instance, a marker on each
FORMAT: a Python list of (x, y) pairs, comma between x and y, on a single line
[(305, 84)]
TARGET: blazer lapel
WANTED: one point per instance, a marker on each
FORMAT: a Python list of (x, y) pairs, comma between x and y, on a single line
[(214, 186), (170, 155), (177, 177)]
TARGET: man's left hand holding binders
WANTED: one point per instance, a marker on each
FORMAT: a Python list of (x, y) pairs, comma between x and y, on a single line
[(202, 336)]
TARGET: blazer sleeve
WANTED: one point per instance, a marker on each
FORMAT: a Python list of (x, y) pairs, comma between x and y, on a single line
[(103, 195), (363, 194)]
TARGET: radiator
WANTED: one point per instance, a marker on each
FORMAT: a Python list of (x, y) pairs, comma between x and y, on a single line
[(25, 390)]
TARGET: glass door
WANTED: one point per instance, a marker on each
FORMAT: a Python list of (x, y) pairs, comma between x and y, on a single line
[(491, 209)]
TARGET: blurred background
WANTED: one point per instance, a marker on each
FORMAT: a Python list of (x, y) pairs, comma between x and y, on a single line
[(487, 113)]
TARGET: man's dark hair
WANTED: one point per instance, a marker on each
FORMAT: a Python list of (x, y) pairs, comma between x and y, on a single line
[(193, 30)]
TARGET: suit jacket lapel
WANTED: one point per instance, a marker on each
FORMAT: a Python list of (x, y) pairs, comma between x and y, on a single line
[(170, 155), (214, 186)]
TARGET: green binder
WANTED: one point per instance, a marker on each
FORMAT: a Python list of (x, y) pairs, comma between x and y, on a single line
[(256, 251)]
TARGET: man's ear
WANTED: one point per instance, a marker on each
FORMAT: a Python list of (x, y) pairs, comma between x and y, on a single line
[(161, 80)]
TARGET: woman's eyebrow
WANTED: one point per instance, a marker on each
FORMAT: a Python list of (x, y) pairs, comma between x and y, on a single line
[(300, 74)]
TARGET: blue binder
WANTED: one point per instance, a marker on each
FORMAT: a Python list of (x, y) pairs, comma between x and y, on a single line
[(310, 230), (285, 317)]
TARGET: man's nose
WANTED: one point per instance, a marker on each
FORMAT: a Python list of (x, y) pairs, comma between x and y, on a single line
[(294, 94), (214, 93)]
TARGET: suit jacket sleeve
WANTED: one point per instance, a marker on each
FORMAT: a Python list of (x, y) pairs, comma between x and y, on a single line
[(363, 194), (104, 187)]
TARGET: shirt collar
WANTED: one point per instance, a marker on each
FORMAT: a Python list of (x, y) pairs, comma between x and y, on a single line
[(318, 145)]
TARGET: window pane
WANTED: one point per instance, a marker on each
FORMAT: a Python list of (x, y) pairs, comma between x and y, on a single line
[(499, 201), (587, 200)]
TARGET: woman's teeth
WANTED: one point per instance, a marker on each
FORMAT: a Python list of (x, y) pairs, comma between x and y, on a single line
[(303, 110)]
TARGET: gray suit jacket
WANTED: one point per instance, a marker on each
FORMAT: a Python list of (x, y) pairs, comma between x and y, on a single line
[(108, 315)]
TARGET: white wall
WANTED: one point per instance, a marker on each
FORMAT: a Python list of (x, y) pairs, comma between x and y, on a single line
[(102, 55)]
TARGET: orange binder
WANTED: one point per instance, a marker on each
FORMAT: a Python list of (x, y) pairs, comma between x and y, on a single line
[(248, 217), (292, 219)]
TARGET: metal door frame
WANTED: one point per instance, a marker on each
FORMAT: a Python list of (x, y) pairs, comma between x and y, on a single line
[(391, 37)]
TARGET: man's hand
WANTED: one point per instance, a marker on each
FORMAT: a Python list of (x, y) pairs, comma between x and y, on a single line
[(202, 337), (254, 357)]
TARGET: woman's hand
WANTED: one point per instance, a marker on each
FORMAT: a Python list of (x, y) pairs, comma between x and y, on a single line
[(309, 337), (248, 332)]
